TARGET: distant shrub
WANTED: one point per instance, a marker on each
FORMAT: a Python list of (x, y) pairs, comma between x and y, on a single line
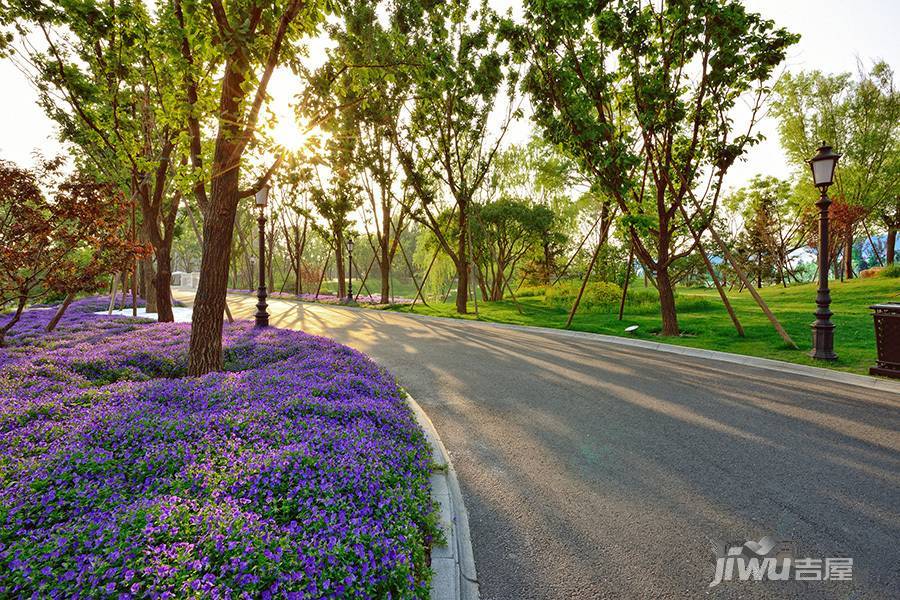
[(689, 302), (638, 296), (530, 291), (891, 271), (597, 294)]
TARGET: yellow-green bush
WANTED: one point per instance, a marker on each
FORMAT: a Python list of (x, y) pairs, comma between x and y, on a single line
[(529, 291), (597, 294), (891, 271)]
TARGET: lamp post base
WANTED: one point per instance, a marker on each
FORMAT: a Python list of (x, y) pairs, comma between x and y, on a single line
[(262, 315), (823, 341)]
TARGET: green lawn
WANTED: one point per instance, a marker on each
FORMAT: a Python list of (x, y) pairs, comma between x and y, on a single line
[(705, 323)]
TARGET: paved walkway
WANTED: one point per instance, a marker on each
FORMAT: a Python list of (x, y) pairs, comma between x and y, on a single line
[(597, 471)]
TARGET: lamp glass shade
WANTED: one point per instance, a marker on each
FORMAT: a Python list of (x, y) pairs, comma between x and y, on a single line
[(823, 165), (262, 197), (350, 244)]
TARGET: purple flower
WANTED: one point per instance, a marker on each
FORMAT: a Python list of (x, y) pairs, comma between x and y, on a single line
[(298, 472)]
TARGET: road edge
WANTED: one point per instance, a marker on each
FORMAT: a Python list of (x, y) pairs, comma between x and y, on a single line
[(770, 364), (453, 565), (865, 381)]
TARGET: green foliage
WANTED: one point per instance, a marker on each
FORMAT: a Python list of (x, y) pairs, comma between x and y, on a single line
[(636, 92), (503, 233), (859, 117), (597, 295), (773, 225), (891, 271), (531, 291)]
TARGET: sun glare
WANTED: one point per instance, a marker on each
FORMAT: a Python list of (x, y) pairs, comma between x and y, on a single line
[(288, 134)]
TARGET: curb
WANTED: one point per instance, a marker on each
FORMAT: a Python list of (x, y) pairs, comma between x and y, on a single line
[(454, 564)]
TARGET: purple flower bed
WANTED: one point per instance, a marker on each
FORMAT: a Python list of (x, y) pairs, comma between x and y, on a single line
[(299, 473)]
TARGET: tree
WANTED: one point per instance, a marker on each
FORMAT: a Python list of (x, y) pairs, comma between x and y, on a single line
[(640, 95), (861, 119), (378, 175), (246, 41), (65, 242), (843, 218), (773, 227), (294, 200), (445, 145), (334, 202), (890, 216), (503, 233), (107, 79), (366, 72), (543, 176)]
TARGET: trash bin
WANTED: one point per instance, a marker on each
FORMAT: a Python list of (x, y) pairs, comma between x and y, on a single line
[(887, 339)]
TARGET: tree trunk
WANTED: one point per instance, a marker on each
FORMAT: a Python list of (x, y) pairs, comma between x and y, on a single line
[(848, 256), (13, 320), (59, 312), (462, 267), (162, 284), (891, 246), (385, 248), (339, 264), (150, 294), (385, 268), (548, 264), (666, 302), (499, 281), (205, 352), (270, 255), (298, 284), (759, 272)]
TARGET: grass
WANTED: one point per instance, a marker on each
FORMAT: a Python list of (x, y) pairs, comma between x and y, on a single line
[(705, 324)]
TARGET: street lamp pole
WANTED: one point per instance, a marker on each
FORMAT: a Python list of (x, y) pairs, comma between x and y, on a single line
[(262, 316), (823, 165), (349, 268)]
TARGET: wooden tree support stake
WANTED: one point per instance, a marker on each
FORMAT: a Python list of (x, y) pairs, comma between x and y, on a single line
[(746, 282), (577, 250), (365, 278), (600, 243), (584, 283), (408, 263), (362, 286), (322, 277), (740, 272), (419, 292), (712, 273), (627, 279)]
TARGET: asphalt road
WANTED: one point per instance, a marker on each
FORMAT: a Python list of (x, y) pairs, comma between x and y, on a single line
[(593, 470)]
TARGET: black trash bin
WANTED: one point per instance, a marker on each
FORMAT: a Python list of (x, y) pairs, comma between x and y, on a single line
[(887, 339)]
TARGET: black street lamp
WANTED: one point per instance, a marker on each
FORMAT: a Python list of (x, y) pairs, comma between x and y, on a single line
[(262, 316), (349, 268), (823, 165)]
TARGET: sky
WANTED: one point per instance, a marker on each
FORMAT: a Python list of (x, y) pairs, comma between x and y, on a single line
[(835, 34)]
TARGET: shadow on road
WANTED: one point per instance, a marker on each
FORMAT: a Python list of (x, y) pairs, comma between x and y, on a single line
[(594, 471)]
